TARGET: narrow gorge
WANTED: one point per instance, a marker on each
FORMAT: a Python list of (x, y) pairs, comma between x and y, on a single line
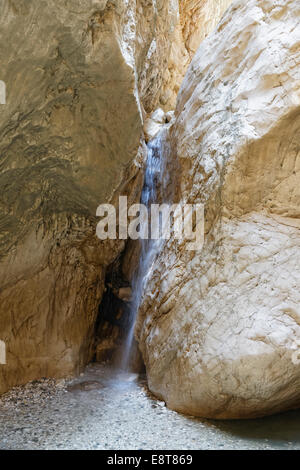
[(125, 125)]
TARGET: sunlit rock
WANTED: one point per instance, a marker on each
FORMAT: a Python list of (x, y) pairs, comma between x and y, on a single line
[(154, 124), (219, 329), (196, 20)]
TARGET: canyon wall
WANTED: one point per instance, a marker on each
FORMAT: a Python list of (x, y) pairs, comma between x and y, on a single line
[(197, 19), (79, 75), (219, 329)]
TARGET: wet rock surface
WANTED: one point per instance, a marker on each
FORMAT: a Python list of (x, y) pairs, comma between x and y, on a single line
[(119, 413)]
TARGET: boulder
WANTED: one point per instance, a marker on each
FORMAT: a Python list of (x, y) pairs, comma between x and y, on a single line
[(219, 329)]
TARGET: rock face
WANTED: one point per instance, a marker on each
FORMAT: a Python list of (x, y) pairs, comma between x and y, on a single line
[(219, 329), (196, 20), (78, 76)]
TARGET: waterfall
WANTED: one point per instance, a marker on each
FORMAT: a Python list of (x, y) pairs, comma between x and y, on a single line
[(149, 248)]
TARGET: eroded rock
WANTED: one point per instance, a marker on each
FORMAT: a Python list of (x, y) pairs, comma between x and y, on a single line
[(196, 20), (79, 75), (218, 329), (153, 124)]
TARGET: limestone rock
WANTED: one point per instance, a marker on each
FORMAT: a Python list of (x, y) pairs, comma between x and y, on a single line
[(219, 329), (122, 293), (78, 74), (154, 123), (169, 116), (107, 346), (196, 20)]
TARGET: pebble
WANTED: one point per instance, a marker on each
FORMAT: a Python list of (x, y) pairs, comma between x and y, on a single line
[(102, 409)]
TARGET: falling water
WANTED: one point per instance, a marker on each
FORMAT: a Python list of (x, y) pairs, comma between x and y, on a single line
[(149, 248)]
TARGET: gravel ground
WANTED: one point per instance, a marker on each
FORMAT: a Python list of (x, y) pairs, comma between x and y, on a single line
[(105, 410)]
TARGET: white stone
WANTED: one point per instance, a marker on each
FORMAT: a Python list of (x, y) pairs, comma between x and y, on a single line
[(226, 345)]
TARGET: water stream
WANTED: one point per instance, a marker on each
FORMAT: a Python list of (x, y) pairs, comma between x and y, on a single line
[(149, 248)]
